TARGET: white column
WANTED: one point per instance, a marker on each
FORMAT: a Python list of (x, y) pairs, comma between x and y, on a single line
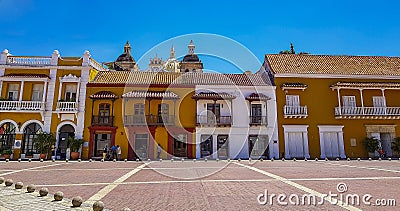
[(198, 142), (306, 150), (362, 101), (1, 88), (78, 91), (214, 152), (3, 59), (287, 152), (44, 92), (59, 91), (49, 99), (322, 145), (21, 92), (341, 145), (338, 96), (383, 95)]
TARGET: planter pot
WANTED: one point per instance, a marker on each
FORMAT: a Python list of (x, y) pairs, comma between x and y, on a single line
[(74, 155), (43, 156), (371, 154), (6, 156)]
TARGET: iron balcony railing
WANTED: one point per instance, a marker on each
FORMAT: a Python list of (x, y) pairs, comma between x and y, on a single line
[(258, 120), (295, 111), (214, 120), (150, 120), (367, 111), (22, 105), (103, 120)]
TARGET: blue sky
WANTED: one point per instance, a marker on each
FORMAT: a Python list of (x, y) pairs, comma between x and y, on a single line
[(320, 27)]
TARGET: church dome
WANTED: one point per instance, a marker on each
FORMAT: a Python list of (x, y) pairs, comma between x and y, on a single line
[(191, 58), (125, 57)]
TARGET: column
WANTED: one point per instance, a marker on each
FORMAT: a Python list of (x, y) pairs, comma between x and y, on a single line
[(362, 101), (21, 91), (384, 98), (340, 107), (322, 145), (214, 152), (341, 145), (59, 91), (306, 149), (287, 153), (198, 142)]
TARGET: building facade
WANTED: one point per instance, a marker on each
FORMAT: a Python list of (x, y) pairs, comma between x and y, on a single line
[(327, 105), (43, 94)]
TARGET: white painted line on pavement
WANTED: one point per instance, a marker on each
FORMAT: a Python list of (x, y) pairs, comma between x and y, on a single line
[(301, 187), (38, 167), (364, 167), (103, 192)]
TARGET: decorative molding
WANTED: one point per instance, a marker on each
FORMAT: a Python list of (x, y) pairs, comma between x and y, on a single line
[(380, 128), (70, 78)]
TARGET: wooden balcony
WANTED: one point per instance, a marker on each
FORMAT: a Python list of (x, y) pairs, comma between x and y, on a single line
[(149, 120), (21, 106), (258, 120), (219, 121), (103, 120), (295, 111), (367, 112)]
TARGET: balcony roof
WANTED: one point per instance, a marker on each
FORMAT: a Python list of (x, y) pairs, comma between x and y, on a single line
[(257, 97), (366, 85), (293, 86), (104, 95), (213, 96), (151, 95)]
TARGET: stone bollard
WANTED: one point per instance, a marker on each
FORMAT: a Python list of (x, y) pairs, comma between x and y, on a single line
[(294, 159), (1, 180), (77, 201), (348, 159), (31, 188), (19, 159), (370, 159), (58, 196), (194, 160), (183, 160), (160, 160), (326, 159), (79, 160), (41, 160), (114, 160), (359, 159), (337, 159), (283, 159), (125, 209), (102, 160), (172, 160), (98, 206), (272, 159), (8, 182), (205, 160), (137, 159), (29, 160), (7, 160), (19, 185), (125, 160), (66, 160), (90, 160), (390, 159), (316, 159), (43, 192), (305, 159), (53, 160)]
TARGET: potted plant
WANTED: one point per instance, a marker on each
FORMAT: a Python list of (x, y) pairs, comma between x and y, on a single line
[(43, 143), (7, 153), (371, 145), (74, 144), (396, 145)]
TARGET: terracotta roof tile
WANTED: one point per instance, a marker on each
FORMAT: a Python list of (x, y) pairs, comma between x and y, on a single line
[(140, 77), (150, 94), (258, 97), (213, 96), (337, 65), (103, 95)]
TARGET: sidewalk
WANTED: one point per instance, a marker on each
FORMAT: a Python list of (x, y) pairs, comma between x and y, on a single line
[(20, 199)]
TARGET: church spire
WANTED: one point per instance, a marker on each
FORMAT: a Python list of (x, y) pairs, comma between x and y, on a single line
[(172, 53), (191, 47), (127, 48)]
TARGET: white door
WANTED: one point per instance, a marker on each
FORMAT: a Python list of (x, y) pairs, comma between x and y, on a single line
[(349, 104), (296, 144), (37, 92), (386, 142), (379, 104), (331, 144)]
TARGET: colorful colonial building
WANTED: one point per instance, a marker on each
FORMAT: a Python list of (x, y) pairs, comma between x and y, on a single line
[(42, 94), (327, 105)]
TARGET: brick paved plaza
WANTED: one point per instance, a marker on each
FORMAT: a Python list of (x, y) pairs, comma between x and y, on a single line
[(202, 185)]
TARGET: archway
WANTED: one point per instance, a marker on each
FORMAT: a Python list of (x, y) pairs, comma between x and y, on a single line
[(7, 136), (30, 133), (64, 133)]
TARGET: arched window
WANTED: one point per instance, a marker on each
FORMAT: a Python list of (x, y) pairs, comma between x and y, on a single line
[(7, 136), (30, 132)]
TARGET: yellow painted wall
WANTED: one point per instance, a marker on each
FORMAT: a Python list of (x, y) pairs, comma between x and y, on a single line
[(321, 102)]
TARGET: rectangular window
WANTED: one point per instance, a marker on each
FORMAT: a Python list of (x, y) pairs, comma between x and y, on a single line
[(379, 101), (292, 100), (37, 92), (101, 140), (349, 101), (13, 90), (139, 108), (70, 92)]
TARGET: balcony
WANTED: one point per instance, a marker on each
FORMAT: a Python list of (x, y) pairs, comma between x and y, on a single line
[(212, 120), (103, 120), (258, 120), (29, 61), (21, 106), (295, 111), (367, 112), (149, 120), (67, 106)]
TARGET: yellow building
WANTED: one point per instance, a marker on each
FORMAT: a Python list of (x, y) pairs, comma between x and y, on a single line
[(327, 105), (138, 111), (42, 94)]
